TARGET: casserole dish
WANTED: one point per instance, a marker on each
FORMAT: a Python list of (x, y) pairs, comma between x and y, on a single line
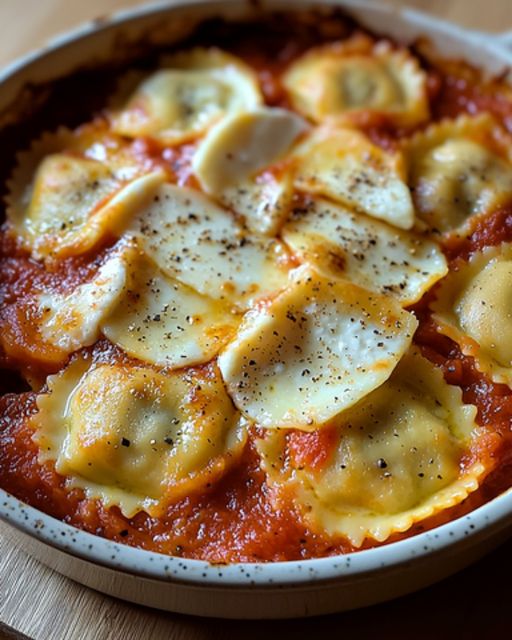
[(331, 583)]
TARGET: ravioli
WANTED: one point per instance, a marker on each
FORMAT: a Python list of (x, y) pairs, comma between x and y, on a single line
[(161, 321), (459, 169), (357, 79), (65, 192), (230, 158), (343, 244), (224, 269), (200, 244), (63, 203), (135, 438), (473, 308), (344, 165), (315, 350), (194, 90), (392, 459)]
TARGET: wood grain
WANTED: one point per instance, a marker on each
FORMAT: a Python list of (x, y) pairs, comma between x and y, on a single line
[(45, 606), (32, 22)]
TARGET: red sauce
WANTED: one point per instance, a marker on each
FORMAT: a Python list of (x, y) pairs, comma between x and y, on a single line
[(312, 449), (466, 93), (487, 231), (235, 520)]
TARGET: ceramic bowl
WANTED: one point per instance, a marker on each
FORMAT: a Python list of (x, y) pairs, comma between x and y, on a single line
[(274, 590)]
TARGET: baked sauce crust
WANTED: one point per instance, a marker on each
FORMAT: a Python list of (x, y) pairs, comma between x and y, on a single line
[(234, 520)]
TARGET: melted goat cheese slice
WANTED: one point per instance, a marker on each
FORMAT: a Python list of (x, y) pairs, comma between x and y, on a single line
[(390, 461), (149, 315), (344, 165), (315, 350), (164, 322), (243, 144), (473, 308), (237, 149), (201, 245), (357, 78), (135, 438), (352, 246), (72, 321), (181, 101), (264, 200)]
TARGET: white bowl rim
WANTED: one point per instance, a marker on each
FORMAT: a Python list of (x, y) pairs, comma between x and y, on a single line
[(483, 522)]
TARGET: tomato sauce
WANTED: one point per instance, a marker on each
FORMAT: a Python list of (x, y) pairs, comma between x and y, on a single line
[(234, 520)]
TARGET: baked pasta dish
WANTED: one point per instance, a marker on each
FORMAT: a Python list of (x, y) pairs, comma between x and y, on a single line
[(256, 293)]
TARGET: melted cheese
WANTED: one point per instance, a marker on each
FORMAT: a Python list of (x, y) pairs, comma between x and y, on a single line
[(459, 169), (317, 349), (198, 243), (65, 204), (72, 321), (149, 315), (135, 438), (393, 459), (473, 308), (59, 189), (65, 192), (343, 244), (162, 321), (182, 101), (228, 160), (345, 166), (243, 144), (264, 200), (355, 79)]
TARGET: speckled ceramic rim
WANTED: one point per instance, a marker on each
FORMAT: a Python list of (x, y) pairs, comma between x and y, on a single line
[(485, 521), (482, 523)]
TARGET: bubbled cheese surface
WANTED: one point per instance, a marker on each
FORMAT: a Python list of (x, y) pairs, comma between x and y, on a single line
[(56, 208)]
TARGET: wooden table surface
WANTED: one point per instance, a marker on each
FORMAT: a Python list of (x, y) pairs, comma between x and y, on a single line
[(45, 606)]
